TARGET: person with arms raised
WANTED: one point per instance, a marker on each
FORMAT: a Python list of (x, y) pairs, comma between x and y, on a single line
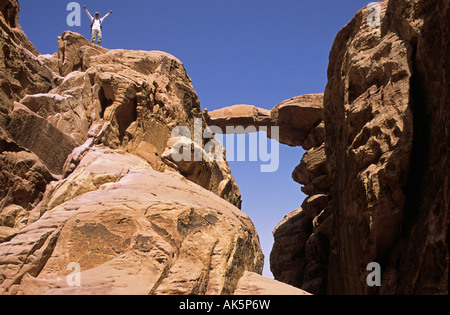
[(96, 26)]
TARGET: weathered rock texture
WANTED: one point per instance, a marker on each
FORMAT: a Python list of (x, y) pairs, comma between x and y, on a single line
[(133, 230), (300, 253), (295, 118), (87, 173), (255, 284), (377, 169), (23, 175), (84, 179)]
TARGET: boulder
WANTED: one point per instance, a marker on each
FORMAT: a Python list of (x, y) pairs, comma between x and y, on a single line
[(297, 117), (132, 230), (288, 255)]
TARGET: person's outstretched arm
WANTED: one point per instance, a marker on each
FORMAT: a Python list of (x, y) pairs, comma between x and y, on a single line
[(103, 18), (89, 15)]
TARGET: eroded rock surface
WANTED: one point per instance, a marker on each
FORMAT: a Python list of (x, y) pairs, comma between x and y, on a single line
[(255, 284), (132, 230), (295, 118), (376, 169), (85, 182)]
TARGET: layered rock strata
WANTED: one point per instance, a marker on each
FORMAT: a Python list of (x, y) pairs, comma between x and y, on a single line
[(377, 176), (90, 204)]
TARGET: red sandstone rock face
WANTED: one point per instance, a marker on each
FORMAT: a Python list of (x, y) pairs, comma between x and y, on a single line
[(132, 230), (23, 175), (423, 248), (108, 195), (369, 134), (378, 184), (84, 179), (373, 152)]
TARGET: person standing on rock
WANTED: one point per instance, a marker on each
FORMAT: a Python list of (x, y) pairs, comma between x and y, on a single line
[(96, 27)]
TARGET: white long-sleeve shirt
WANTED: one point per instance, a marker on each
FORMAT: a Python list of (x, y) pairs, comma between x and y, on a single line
[(97, 23)]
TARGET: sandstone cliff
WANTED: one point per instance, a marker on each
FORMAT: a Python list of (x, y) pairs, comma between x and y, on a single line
[(377, 175), (85, 179), (87, 175), (377, 167)]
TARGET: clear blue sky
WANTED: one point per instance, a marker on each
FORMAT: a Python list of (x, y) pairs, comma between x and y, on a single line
[(257, 52)]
